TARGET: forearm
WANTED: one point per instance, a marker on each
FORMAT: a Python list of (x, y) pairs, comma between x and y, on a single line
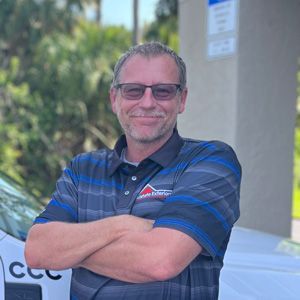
[(58, 245), (157, 255), (126, 259)]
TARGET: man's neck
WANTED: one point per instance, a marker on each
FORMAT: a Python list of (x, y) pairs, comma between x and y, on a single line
[(139, 151)]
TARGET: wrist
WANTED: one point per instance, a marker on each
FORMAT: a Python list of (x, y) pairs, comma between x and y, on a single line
[(116, 226)]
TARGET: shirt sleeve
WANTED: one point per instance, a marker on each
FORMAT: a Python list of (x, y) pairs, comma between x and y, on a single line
[(63, 204), (205, 200)]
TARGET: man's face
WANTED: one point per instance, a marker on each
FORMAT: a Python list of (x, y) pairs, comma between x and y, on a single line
[(148, 120)]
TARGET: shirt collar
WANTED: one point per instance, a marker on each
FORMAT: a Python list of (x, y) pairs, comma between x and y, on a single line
[(163, 156), (116, 160)]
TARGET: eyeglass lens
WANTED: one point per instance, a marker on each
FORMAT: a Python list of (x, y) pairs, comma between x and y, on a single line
[(132, 91)]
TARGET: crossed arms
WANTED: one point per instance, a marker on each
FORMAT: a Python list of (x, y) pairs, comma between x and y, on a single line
[(123, 247)]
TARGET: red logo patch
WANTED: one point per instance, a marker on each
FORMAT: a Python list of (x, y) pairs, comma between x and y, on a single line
[(149, 192)]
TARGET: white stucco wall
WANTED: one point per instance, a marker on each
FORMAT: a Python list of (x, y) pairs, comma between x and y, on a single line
[(248, 101)]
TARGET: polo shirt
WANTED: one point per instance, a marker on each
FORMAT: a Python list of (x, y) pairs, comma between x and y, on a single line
[(188, 185)]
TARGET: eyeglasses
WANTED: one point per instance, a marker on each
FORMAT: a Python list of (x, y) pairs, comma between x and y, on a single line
[(161, 92)]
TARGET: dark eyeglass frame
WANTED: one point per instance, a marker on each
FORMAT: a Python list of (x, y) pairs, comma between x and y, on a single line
[(154, 89)]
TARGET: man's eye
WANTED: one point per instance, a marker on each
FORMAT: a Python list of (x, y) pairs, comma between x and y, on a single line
[(134, 90), (162, 91)]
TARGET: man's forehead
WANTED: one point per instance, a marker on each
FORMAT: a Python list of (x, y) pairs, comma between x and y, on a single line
[(148, 58), (162, 62)]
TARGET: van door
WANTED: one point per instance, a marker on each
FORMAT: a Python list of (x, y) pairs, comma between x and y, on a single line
[(1, 280)]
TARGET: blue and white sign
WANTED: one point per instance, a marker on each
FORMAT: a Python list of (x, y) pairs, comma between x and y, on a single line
[(221, 47), (222, 18)]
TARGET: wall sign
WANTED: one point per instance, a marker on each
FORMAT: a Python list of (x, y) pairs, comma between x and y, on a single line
[(221, 35)]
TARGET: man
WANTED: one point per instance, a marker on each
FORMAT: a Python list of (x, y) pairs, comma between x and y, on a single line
[(151, 218)]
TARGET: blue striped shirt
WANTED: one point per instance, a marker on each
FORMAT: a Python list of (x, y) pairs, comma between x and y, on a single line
[(188, 185)]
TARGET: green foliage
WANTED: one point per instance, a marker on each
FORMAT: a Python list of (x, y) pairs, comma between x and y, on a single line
[(296, 202), (55, 74), (165, 27), (14, 98), (54, 83), (166, 9), (296, 191), (24, 22)]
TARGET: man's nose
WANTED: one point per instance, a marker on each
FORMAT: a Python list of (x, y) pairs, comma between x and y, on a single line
[(148, 99)]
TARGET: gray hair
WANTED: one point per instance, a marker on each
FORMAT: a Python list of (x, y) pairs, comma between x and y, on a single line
[(150, 49)]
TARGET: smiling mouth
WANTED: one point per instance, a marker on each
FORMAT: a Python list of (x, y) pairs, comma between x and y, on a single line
[(146, 120), (152, 115), (147, 117)]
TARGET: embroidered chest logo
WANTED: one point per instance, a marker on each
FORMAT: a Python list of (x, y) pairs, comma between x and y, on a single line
[(149, 192)]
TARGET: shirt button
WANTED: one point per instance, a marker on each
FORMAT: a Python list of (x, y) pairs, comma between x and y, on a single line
[(133, 178), (126, 193)]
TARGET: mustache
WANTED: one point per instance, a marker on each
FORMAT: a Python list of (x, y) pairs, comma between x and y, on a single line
[(149, 114)]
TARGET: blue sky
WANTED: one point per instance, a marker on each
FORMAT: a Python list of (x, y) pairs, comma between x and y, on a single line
[(119, 12)]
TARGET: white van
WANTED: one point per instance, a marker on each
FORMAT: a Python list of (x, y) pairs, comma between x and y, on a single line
[(17, 281), (257, 265)]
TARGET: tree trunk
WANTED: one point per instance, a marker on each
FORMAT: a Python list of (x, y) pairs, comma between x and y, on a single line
[(135, 31), (98, 11)]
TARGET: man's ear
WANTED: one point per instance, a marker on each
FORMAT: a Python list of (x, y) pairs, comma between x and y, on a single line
[(183, 97), (113, 97)]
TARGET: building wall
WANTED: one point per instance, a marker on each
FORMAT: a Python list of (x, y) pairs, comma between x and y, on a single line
[(248, 100)]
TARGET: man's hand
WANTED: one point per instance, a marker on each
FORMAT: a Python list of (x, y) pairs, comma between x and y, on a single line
[(135, 224)]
